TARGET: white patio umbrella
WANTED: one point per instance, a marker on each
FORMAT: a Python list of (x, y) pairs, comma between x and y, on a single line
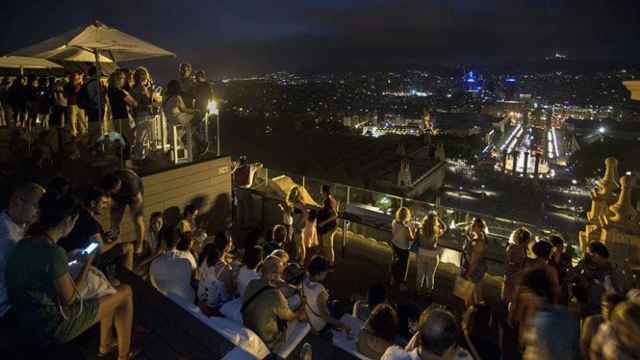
[(96, 42), (21, 62)]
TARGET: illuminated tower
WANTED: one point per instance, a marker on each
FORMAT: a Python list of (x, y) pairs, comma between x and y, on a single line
[(404, 174)]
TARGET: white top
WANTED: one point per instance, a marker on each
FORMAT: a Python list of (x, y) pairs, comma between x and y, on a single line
[(311, 291), (245, 275), (400, 235), (188, 256), (10, 234), (171, 274), (397, 353)]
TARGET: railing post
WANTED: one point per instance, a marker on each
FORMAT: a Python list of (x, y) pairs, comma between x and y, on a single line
[(266, 176), (304, 181), (348, 193)]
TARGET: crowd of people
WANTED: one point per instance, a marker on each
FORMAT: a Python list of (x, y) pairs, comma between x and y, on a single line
[(56, 266), (87, 106), (57, 280)]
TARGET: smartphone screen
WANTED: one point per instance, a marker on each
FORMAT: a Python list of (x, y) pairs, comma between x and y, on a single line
[(91, 248)]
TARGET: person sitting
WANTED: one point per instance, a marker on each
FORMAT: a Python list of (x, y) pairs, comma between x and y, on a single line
[(264, 307), (187, 223), (619, 338), (278, 238), (252, 258), (592, 323), (153, 240), (44, 295), (88, 229), (59, 185), (216, 282), (22, 211), (377, 294), (317, 297), (175, 109), (379, 331), (171, 273), (437, 339), (282, 255)]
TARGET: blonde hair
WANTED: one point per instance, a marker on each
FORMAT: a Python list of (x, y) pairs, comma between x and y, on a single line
[(625, 320), (520, 236), (403, 214), (282, 255)]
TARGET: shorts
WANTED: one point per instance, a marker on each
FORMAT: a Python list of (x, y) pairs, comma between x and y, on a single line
[(78, 321)]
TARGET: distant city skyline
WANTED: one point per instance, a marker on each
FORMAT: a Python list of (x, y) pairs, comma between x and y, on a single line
[(237, 38)]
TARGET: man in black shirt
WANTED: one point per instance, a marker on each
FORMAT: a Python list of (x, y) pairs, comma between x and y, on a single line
[(89, 229), (126, 190), (327, 224)]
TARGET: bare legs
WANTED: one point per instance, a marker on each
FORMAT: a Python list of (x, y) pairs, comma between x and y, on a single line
[(138, 223), (116, 309)]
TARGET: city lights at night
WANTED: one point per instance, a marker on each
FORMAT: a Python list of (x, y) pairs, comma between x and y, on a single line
[(320, 180)]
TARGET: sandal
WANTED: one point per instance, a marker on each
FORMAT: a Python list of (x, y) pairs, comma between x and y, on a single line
[(112, 347)]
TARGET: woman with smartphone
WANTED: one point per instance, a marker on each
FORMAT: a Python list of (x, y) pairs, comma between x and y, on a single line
[(44, 296)]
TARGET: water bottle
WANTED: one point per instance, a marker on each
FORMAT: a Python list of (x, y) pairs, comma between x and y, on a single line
[(306, 352)]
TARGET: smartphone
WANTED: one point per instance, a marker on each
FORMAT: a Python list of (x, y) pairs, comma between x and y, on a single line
[(91, 248)]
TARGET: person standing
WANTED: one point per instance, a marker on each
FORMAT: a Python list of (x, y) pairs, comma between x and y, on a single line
[(187, 84), (126, 190), (402, 236), (75, 114), (121, 104), (89, 229), (145, 109), (95, 124), (474, 263), (242, 175), (327, 224), (515, 261), (428, 255)]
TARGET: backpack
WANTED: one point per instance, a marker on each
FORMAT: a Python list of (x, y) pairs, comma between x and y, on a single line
[(211, 290), (83, 99)]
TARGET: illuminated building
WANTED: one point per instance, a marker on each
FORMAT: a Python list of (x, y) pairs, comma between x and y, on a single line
[(472, 83)]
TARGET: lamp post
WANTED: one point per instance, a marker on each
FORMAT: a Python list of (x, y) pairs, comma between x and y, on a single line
[(212, 107)]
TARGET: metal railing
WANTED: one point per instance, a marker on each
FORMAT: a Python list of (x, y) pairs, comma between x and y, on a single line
[(456, 219)]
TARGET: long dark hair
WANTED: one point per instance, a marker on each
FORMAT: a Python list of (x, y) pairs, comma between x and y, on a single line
[(173, 89), (54, 208)]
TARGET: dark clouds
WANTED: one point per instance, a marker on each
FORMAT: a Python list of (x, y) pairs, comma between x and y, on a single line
[(230, 37)]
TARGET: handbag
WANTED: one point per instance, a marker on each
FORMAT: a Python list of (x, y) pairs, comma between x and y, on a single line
[(95, 285), (463, 288)]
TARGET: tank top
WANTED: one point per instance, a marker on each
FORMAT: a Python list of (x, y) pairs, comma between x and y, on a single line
[(311, 290)]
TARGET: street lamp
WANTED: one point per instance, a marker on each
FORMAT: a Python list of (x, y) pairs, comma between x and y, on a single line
[(212, 108)]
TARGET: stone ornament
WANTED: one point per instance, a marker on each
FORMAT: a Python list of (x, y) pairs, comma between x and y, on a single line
[(622, 214), (605, 193)]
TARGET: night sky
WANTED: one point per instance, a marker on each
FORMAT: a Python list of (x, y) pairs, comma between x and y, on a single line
[(245, 36)]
